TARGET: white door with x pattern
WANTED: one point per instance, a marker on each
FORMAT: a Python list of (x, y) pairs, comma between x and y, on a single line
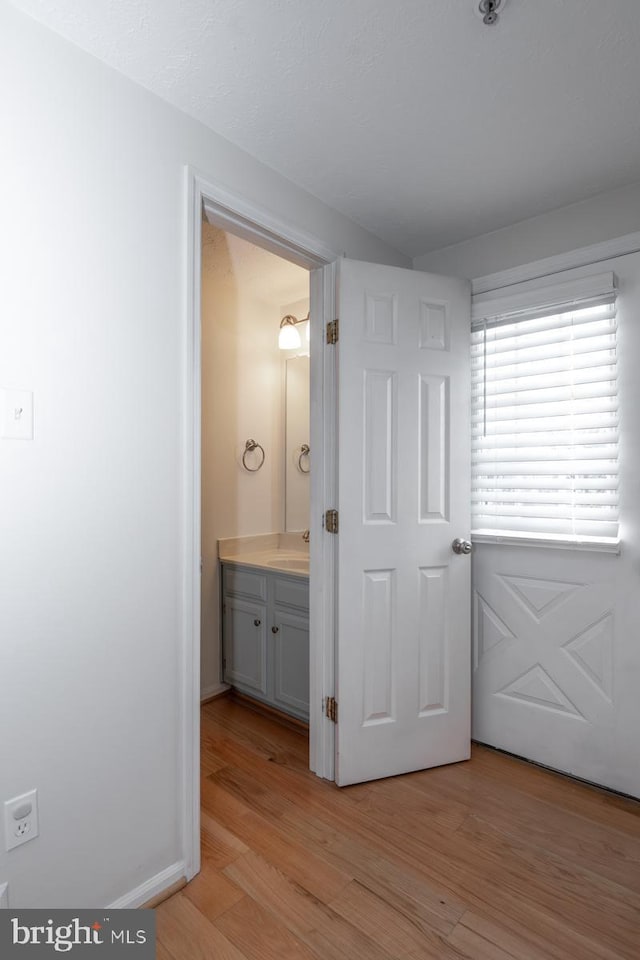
[(544, 672)]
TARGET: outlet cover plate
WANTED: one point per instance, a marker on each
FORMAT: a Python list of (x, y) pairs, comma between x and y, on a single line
[(20, 830)]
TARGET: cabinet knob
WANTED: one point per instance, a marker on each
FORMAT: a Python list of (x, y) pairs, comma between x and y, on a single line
[(274, 629), (257, 623)]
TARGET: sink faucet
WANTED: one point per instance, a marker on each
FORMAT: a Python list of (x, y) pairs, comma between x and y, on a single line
[(305, 536)]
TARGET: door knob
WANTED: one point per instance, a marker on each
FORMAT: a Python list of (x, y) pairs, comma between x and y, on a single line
[(256, 623), (461, 546), (274, 629)]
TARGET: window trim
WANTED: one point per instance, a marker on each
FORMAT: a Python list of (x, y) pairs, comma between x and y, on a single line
[(594, 544)]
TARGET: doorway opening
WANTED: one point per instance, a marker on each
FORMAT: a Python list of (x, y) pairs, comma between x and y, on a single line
[(256, 472)]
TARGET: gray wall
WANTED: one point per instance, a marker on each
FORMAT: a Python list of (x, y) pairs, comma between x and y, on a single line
[(602, 218)]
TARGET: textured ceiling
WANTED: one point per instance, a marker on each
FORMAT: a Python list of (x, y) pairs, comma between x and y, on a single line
[(411, 117)]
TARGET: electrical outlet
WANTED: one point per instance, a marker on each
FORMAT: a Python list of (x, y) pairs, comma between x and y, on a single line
[(4, 895), (20, 819)]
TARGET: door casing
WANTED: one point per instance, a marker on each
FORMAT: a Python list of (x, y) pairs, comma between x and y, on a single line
[(258, 225)]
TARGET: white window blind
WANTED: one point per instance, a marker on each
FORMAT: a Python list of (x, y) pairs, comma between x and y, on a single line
[(545, 422)]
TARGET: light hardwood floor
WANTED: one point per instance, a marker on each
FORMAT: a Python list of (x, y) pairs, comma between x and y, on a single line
[(492, 859)]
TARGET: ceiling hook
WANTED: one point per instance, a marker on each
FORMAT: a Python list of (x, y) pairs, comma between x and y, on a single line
[(489, 10)]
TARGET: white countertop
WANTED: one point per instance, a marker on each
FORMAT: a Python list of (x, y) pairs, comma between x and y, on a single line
[(281, 552)]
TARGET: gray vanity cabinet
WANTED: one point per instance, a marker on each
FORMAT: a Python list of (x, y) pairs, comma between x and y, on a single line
[(245, 645), (265, 637), (291, 662)]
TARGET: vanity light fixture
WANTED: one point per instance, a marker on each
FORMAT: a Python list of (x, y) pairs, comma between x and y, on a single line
[(289, 337)]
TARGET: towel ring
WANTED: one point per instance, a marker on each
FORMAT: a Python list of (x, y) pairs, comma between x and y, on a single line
[(249, 446), (304, 452)]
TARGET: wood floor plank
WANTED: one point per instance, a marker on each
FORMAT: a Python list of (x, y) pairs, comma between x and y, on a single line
[(430, 906), (506, 889), (407, 808), (512, 894), (526, 944), (492, 859), (241, 756), (472, 944), (494, 893), (260, 733), (218, 846), (468, 872), (511, 877), (300, 910), (493, 782), (500, 875), (305, 915), (398, 935), (327, 933), (597, 847), (212, 892), (589, 802), (186, 933), (301, 864), (553, 869), (162, 953), (209, 763), (252, 791), (259, 936)]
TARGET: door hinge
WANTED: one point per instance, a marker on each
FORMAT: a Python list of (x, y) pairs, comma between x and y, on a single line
[(331, 521), (332, 331), (331, 708)]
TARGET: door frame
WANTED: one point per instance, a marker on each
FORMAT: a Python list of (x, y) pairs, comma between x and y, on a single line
[(242, 217)]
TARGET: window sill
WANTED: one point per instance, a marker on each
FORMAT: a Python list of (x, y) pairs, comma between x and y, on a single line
[(594, 544)]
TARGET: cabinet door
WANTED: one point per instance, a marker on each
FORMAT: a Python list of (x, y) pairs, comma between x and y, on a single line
[(245, 645), (290, 657)]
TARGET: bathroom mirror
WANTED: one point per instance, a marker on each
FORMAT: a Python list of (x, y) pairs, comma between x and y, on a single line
[(296, 445)]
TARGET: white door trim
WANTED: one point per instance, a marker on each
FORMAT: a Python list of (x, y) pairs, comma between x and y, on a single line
[(244, 218)]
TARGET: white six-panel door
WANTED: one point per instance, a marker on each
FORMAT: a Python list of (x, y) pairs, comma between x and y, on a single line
[(403, 651)]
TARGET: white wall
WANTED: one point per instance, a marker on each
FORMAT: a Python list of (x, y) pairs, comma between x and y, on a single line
[(601, 218), (605, 751), (92, 294)]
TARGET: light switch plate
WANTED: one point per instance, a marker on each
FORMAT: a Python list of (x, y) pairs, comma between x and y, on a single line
[(17, 414)]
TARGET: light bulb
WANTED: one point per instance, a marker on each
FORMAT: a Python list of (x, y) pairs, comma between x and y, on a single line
[(288, 338)]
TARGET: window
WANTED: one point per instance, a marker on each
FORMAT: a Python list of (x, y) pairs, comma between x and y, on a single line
[(545, 418)]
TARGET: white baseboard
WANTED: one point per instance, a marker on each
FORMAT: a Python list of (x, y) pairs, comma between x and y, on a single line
[(213, 690), (151, 887)]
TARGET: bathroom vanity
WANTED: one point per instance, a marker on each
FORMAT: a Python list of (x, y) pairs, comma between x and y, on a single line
[(265, 620)]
